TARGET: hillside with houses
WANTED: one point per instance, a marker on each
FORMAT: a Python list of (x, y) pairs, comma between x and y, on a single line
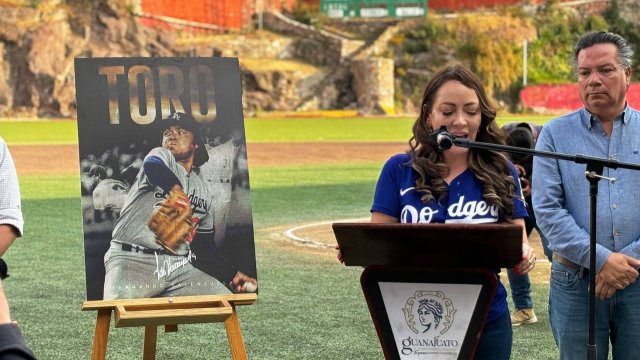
[(295, 57)]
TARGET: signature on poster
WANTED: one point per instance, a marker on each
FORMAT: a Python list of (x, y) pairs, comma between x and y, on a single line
[(168, 267)]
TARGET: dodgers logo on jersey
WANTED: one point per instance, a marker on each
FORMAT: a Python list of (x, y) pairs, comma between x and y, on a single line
[(472, 212), (469, 212), (199, 205), (409, 214)]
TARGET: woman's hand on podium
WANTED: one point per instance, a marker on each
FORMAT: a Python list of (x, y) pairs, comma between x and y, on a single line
[(528, 260)]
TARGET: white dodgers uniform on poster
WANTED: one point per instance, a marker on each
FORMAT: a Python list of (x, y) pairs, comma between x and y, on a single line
[(136, 265), (110, 194), (218, 173)]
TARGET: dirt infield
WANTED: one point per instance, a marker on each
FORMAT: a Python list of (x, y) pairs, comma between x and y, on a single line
[(45, 159), (63, 159)]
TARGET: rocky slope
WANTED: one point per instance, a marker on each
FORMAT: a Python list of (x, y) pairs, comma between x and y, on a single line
[(39, 44)]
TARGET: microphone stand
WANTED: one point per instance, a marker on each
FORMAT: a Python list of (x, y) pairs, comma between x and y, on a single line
[(593, 173)]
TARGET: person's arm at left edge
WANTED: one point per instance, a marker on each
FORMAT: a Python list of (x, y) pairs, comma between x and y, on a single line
[(8, 234), (11, 221), (12, 344)]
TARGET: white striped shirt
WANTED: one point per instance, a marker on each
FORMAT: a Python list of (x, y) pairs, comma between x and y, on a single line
[(10, 209)]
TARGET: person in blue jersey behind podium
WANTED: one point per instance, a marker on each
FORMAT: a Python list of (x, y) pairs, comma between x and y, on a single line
[(458, 185)]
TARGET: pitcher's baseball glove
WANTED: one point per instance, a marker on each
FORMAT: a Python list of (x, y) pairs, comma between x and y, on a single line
[(171, 221)]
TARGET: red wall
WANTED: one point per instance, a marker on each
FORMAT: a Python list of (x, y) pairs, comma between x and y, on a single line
[(228, 14), (237, 14), (559, 98), (277, 5)]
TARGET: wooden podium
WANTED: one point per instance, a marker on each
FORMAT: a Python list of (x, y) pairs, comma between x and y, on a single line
[(429, 286)]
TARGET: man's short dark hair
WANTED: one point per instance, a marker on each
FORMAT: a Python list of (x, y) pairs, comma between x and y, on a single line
[(625, 53)]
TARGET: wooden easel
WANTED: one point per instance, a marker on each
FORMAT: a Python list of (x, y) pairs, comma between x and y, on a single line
[(168, 312)]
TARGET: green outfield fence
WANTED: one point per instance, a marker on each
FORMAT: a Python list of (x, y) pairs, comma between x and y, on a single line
[(373, 8)]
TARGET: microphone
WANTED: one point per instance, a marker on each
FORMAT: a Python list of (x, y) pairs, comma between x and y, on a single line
[(442, 139)]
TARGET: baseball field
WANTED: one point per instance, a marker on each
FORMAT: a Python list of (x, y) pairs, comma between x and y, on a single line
[(304, 174)]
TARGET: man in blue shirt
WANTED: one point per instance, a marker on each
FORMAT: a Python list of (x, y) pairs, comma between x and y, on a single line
[(605, 127)]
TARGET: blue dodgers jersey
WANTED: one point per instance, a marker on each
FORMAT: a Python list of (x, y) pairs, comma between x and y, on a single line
[(396, 196)]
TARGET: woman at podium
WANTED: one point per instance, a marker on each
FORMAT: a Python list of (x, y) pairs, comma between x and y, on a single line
[(432, 183)]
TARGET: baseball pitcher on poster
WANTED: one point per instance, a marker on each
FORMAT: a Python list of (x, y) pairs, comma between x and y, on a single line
[(145, 123)]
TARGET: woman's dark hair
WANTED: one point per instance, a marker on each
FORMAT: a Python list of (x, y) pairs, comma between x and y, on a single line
[(490, 167)]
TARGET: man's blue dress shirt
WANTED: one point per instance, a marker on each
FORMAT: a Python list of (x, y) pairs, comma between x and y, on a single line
[(561, 189)]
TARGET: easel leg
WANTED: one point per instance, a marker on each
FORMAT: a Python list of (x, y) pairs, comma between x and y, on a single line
[(101, 336), (150, 337), (234, 334)]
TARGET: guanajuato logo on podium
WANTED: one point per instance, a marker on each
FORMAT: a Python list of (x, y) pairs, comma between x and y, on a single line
[(429, 315)]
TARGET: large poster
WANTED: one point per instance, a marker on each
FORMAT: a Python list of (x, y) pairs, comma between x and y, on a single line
[(164, 178)]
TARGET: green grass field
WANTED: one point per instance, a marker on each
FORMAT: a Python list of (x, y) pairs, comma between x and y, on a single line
[(309, 306), (257, 129)]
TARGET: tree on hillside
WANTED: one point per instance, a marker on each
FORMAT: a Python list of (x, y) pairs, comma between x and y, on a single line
[(549, 56), (417, 53), (489, 44), (492, 45), (628, 30)]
